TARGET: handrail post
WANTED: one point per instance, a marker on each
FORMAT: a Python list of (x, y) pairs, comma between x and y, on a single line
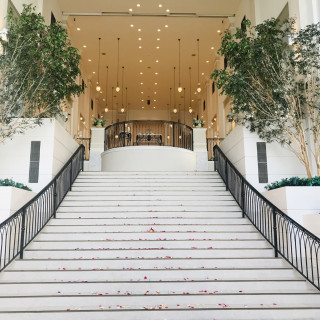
[(54, 198), (275, 232), (226, 173), (70, 174), (214, 159), (124, 133), (22, 235), (242, 198), (82, 158)]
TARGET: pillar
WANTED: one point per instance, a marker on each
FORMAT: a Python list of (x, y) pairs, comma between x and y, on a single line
[(200, 148), (96, 149)]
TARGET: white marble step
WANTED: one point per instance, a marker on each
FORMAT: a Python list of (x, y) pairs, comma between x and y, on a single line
[(148, 288), (148, 264), (150, 236), (149, 184), (127, 245), (188, 208), (149, 275), (146, 254), (146, 228), (137, 302), (221, 312), (148, 198), (149, 179), (149, 188), (154, 221), (193, 215)]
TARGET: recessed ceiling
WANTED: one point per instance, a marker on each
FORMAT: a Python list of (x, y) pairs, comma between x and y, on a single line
[(148, 45)]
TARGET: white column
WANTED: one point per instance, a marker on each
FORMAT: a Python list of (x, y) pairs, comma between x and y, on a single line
[(200, 148), (97, 147)]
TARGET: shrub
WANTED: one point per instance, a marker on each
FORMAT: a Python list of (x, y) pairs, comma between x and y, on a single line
[(11, 183), (294, 182)]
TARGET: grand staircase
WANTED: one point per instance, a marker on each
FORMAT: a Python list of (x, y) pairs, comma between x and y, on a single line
[(152, 246)]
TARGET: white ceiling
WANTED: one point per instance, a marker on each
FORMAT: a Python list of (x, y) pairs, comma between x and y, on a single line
[(111, 28)]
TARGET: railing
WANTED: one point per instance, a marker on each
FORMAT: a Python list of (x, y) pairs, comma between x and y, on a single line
[(211, 143), (86, 142), (148, 132), (290, 240), (22, 227)]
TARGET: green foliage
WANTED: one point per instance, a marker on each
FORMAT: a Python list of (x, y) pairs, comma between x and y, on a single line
[(98, 122), (38, 70), (273, 81), (11, 183), (197, 123), (294, 182)]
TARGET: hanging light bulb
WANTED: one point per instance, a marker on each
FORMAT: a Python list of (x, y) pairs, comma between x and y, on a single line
[(118, 87), (175, 110), (199, 87), (106, 109), (179, 88), (190, 110), (98, 87), (122, 110)]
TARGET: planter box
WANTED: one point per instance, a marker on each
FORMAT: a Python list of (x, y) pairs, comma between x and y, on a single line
[(300, 203), (211, 165), (12, 199)]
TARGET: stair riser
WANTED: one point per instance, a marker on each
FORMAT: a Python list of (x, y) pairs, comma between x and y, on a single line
[(147, 264), (149, 236), (154, 221), (146, 203), (151, 209), (154, 254), (149, 215), (242, 314), (166, 188), (144, 228), (105, 245), (217, 287), (155, 193), (152, 275), (153, 180)]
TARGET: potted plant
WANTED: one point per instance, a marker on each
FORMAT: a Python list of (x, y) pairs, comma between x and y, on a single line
[(99, 123), (198, 123)]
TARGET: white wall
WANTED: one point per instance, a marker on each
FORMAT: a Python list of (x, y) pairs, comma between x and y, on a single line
[(148, 158), (268, 9), (56, 147), (240, 147)]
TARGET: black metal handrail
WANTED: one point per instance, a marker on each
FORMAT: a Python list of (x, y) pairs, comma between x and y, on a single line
[(148, 132), (211, 142), (23, 226), (293, 242)]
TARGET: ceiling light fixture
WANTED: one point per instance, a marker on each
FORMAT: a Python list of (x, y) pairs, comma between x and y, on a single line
[(107, 81), (117, 87), (98, 87), (122, 85), (130, 10), (138, 5), (174, 89), (139, 30), (140, 47), (166, 26), (168, 10), (112, 105), (190, 89), (84, 46), (159, 30), (89, 60), (78, 29), (127, 99), (160, 5), (179, 88), (199, 88), (131, 25)]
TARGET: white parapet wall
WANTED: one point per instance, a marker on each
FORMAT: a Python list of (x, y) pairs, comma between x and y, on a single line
[(56, 147), (12, 199), (148, 158), (302, 204), (240, 146)]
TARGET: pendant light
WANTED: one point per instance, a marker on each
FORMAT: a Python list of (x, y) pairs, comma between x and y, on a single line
[(127, 102), (122, 108), (179, 88), (106, 109), (190, 107), (98, 87), (112, 105), (184, 105), (174, 90), (118, 88), (199, 88)]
